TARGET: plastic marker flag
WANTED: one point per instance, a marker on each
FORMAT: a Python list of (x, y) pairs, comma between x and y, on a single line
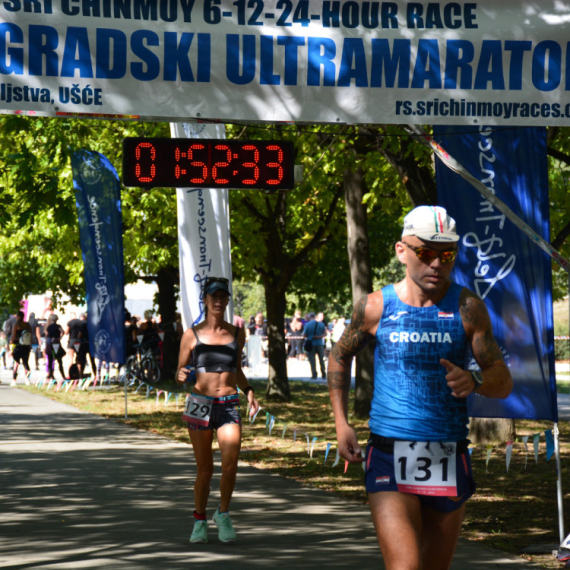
[(313, 441), (525, 441), (327, 453), (284, 430), (499, 261), (489, 451), (336, 459), (271, 424), (535, 442), (509, 453), (549, 443), (308, 444)]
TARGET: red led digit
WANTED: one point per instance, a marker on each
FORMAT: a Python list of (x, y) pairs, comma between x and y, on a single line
[(221, 164), (138, 169), (197, 164), (279, 173), (253, 164)]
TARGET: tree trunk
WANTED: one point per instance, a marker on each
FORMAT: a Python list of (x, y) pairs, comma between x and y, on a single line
[(278, 382), (491, 430), (166, 283), (361, 277)]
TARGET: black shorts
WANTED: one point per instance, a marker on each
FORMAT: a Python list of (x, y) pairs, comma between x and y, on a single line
[(380, 476), (225, 410), (21, 352)]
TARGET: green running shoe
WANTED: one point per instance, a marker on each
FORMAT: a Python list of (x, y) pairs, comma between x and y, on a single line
[(200, 532), (226, 531)]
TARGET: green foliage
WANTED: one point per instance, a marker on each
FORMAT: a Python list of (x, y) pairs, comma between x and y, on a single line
[(39, 235)]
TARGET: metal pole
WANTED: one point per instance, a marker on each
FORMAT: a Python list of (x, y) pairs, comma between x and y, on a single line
[(125, 382), (559, 484)]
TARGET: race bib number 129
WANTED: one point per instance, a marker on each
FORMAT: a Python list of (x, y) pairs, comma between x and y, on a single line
[(426, 467), (198, 410)]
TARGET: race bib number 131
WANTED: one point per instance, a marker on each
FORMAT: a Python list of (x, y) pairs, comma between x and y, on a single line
[(426, 468)]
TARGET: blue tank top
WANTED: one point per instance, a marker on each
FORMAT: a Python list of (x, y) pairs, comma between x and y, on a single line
[(411, 398)]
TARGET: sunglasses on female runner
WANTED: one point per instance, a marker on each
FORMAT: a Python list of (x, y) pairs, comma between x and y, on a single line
[(428, 255)]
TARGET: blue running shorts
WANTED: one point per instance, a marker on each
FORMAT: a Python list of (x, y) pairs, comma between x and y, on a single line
[(380, 477)]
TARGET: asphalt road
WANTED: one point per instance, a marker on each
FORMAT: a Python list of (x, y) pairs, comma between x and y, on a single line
[(79, 491)]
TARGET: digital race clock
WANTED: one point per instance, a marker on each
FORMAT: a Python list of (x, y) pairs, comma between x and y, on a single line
[(208, 163)]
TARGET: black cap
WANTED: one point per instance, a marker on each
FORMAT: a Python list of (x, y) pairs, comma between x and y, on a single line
[(217, 285)]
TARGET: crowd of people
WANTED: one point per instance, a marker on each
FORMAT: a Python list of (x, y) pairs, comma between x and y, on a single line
[(65, 349)]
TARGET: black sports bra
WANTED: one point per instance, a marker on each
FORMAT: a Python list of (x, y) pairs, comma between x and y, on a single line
[(215, 357)]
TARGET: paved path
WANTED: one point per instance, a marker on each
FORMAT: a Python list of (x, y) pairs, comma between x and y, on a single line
[(79, 491)]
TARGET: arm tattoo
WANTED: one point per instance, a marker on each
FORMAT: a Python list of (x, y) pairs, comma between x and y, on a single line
[(476, 319), (354, 338), (337, 381)]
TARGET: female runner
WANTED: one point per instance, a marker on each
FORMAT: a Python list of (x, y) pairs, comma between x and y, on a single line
[(214, 349)]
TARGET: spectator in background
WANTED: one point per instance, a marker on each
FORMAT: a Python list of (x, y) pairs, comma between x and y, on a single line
[(72, 333), (260, 325), (21, 344), (250, 330), (3, 347), (315, 332), (149, 331), (239, 322), (84, 347), (296, 328), (36, 338), (54, 350)]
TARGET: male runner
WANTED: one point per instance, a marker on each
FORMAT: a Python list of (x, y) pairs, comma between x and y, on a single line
[(418, 472)]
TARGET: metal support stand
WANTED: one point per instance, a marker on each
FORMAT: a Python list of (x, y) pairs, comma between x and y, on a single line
[(559, 484)]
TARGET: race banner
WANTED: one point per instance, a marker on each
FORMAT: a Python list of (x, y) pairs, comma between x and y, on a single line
[(98, 201), (203, 233), (500, 263), (317, 61)]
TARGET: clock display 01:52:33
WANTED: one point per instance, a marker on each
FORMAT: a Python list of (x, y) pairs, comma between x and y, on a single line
[(208, 163)]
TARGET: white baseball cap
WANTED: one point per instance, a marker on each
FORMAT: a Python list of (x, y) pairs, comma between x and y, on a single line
[(430, 223)]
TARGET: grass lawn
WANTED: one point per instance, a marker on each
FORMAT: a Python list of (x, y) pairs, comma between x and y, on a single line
[(510, 511)]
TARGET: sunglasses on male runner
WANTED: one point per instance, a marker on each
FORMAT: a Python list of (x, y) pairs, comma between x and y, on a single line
[(427, 255)]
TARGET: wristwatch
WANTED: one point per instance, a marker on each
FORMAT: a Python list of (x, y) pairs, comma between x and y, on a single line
[(477, 378)]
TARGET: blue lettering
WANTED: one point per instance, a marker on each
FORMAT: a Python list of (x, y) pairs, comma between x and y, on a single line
[(321, 53), (350, 15), (40, 48), (517, 49), (67, 10), (168, 10), (149, 58), (145, 9), (291, 44), (433, 17), (267, 77), (12, 54), (427, 67), (13, 5), (353, 51), (490, 68), (460, 54), (76, 42), (176, 56), (122, 9), (105, 68), (331, 14), (414, 15), (91, 8), (382, 59), (233, 63), (547, 65), (204, 58)]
